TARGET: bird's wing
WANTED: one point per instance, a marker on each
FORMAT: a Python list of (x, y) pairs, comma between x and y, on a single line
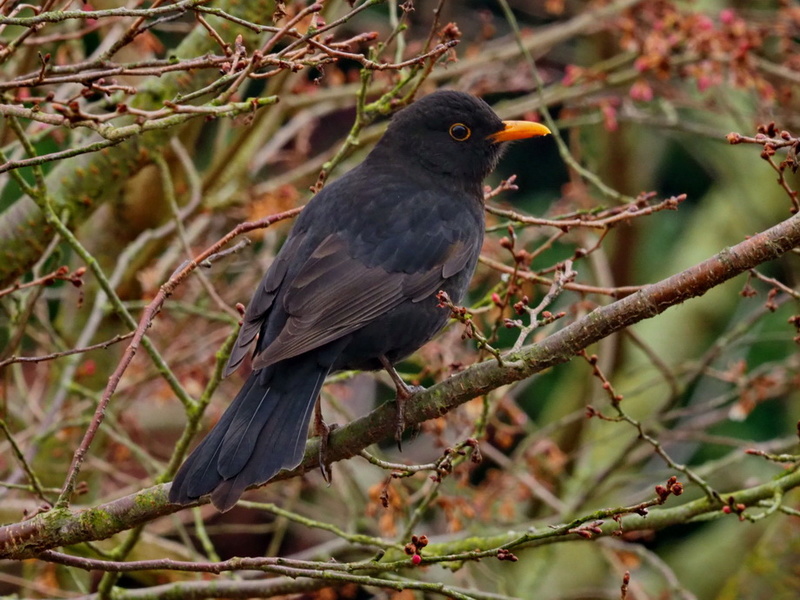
[(261, 303), (335, 294)]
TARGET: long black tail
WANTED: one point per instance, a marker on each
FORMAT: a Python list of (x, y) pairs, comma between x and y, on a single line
[(263, 431)]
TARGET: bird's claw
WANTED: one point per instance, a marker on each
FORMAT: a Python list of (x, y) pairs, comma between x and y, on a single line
[(403, 394), (323, 430)]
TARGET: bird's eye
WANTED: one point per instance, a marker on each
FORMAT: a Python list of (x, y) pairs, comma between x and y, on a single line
[(460, 132)]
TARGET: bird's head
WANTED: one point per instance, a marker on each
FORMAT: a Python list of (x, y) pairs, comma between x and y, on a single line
[(452, 135)]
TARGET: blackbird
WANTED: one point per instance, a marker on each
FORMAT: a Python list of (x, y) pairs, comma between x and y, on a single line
[(354, 286)]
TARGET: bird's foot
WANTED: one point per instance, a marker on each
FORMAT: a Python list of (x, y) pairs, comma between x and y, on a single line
[(323, 430), (404, 392)]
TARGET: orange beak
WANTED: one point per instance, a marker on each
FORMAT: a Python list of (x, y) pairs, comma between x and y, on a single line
[(518, 130)]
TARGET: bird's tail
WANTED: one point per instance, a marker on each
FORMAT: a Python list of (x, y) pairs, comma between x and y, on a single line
[(263, 431)]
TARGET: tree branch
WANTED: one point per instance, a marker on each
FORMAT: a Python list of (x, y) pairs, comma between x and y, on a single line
[(61, 527), (80, 186)]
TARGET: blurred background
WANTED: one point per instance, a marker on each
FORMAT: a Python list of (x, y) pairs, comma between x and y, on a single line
[(151, 134)]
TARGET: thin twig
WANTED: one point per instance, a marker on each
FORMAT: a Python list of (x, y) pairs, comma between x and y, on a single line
[(55, 355), (144, 323)]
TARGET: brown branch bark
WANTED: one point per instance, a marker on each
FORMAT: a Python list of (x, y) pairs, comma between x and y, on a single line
[(62, 527)]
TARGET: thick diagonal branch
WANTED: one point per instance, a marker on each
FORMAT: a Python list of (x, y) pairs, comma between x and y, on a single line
[(61, 527)]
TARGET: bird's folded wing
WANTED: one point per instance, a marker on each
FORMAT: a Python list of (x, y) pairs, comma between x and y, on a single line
[(260, 304), (335, 294)]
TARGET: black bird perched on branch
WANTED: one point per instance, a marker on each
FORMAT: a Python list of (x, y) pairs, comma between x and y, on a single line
[(355, 284)]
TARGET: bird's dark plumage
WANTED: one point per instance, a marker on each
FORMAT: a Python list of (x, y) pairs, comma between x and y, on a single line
[(355, 281)]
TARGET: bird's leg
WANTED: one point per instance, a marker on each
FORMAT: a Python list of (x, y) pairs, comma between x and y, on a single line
[(404, 392), (323, 430)]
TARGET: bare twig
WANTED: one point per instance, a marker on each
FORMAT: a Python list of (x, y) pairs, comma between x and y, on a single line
[(55, 355)]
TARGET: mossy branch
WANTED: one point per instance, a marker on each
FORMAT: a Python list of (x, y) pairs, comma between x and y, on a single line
[(80, 184), (61, 527)]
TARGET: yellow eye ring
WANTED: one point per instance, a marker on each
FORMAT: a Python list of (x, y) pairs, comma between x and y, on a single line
[(460, 132)]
